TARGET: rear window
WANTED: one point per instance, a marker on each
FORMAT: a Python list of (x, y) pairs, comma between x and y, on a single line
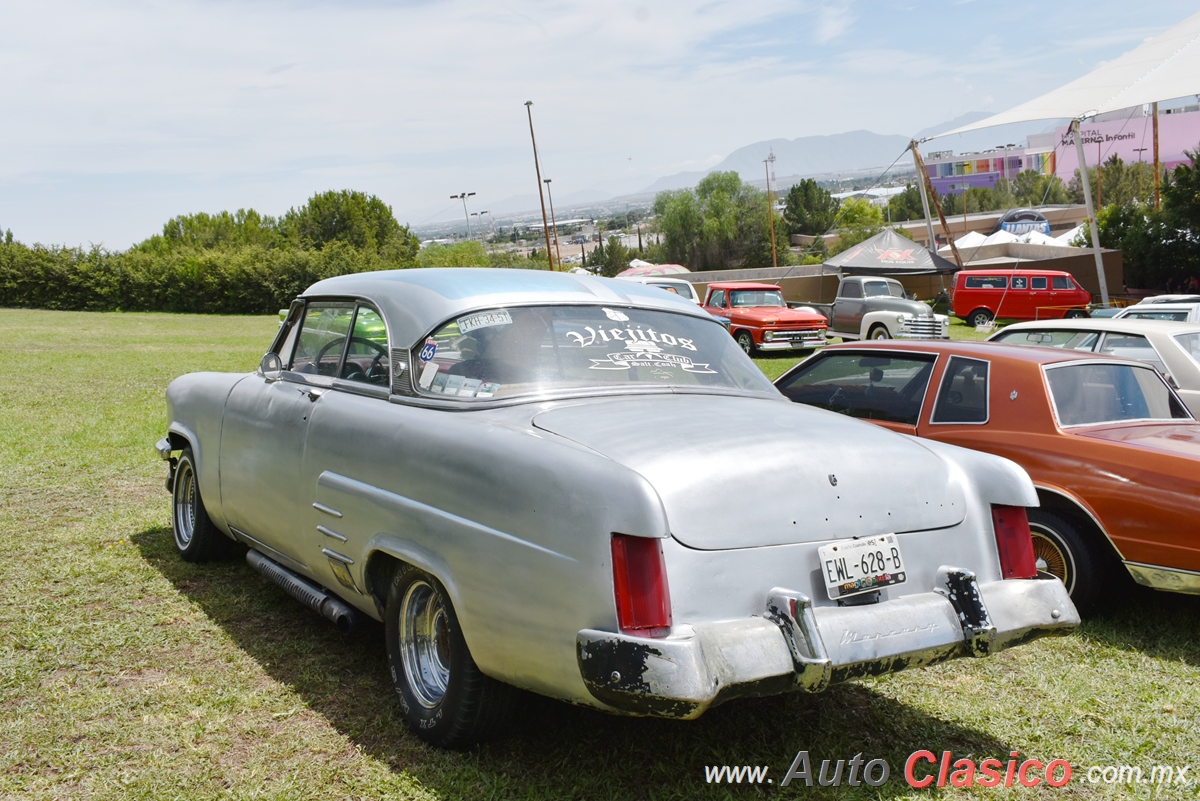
[(870, 387), (1170, 316), (1089, 394), (1050, 338), (1191, 344), (986, 282), (504, 352)]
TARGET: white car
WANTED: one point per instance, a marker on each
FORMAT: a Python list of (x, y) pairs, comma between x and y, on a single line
[(1173, 348), (677, 285), (1175, 311)]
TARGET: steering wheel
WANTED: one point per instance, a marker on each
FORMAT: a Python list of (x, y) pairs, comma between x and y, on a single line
[(382, 351)]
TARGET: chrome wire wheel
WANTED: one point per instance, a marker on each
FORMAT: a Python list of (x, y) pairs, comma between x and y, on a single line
[(1052, 559), (186, 498), (425, 643)]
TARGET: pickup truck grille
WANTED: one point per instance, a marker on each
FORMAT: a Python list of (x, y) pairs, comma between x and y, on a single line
[(796, 336), (925, 328)]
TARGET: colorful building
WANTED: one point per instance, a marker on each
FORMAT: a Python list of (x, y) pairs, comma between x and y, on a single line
[(1127, 135)]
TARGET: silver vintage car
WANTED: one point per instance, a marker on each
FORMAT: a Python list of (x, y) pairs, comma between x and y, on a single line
[(583, 488)]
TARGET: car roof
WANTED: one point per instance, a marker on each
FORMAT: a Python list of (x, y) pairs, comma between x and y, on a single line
[(1011, 270), (416, 300), (1117, 325), (991, 351), (741, 285)]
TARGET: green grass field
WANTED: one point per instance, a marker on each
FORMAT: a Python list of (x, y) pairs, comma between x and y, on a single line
[(127, 674)]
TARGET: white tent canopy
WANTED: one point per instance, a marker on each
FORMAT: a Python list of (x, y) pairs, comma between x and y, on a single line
[(1165, 67)]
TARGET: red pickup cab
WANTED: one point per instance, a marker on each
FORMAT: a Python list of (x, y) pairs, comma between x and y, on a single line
[(759, 319), (980, 296)]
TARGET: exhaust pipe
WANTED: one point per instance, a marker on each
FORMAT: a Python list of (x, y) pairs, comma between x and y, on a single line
[(315, 598)]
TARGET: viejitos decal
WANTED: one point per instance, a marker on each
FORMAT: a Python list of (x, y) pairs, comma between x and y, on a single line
[(643, 348)]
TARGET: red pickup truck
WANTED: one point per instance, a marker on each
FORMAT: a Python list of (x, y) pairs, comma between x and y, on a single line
[(759, 319)]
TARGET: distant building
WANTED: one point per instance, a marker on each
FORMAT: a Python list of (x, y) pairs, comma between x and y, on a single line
[(1130, 137)]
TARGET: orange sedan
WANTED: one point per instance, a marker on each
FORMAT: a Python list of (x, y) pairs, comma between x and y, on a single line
[(1113, 451)]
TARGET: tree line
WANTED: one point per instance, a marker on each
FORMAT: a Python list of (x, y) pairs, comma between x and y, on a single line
[(239, 262)]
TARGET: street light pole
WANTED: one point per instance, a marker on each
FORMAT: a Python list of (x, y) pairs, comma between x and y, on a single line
[(537, 166), (768, 161), (553, 223), (463, 196)]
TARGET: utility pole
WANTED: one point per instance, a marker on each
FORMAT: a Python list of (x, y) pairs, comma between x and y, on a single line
[(537, 166), (463, 196), (769, 161), (553, 223)]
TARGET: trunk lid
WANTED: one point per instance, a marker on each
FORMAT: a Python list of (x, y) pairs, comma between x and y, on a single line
[(735, 472)]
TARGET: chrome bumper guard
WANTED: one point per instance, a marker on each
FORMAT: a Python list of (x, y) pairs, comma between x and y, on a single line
[(796, 646)]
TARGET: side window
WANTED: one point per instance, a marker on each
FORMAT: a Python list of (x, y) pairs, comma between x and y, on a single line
[(1132, 346), (1020, 282), (963, 396), (851, 289), (322, 338), (987, 282), (366, 354), (718, 299), (1062, 282), (1037, 282)]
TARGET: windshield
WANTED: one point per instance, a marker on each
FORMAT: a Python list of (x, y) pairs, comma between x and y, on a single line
[(882, 289), (534, 350), (756, 297), (1088, 393)]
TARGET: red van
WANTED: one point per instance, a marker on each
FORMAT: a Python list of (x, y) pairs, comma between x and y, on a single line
[(980, 296)]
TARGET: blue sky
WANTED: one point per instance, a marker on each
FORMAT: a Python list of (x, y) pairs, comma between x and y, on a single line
[(123, 114)]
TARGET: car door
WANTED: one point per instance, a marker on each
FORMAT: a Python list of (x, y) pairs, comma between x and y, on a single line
[(716, 303), (265, 429), (848, 307)]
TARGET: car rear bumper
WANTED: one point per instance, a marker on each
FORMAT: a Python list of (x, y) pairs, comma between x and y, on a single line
[(796, 646)]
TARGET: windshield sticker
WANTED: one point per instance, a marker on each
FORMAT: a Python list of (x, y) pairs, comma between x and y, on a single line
[(453, 384), (629, 336), (647, 354), (439, 383), (484, 320), (427, 374), (469, 387), (428, 350), (487, 389), (619, 316)]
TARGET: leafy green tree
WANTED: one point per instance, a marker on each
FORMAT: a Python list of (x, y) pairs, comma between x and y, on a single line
[(360, 220), (460, 254), (858, 220), (722, 223), (809, 208), (906, 205), (614, 259)]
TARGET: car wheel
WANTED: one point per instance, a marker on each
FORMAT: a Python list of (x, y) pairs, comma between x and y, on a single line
[(446, 700), (746, 342), (196, 538), (979, 317), (879, 332), (1062, 551), (1073, 314)]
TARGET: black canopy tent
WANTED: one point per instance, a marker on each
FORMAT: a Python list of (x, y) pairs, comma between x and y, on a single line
[(888, 253)]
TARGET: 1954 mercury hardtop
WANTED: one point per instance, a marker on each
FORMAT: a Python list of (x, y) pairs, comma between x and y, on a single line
[(527, 476)]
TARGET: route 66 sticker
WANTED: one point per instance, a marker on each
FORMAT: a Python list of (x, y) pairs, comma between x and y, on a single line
[(428, 350)]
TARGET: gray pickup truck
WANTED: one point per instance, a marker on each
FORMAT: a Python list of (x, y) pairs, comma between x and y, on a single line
[(872, 307)]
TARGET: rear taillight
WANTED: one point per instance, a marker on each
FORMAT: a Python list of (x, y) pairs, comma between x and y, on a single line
[(640, 586), (1014, 542)]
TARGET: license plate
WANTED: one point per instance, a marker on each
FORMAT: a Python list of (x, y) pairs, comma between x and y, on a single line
[(852, 567)]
